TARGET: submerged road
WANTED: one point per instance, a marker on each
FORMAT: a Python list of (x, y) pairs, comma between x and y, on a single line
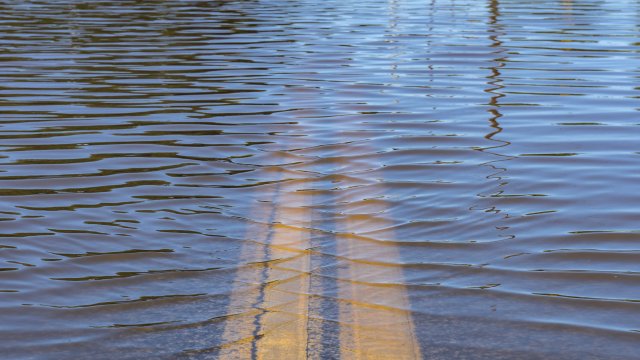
[(306, 179), (279, 316)]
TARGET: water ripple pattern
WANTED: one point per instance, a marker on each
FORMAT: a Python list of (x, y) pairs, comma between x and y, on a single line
[(301, 179)]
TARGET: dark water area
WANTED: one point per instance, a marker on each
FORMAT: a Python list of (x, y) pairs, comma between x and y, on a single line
[(401, 179)]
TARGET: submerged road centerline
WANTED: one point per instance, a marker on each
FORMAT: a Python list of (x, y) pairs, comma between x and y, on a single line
[(276, 327), (273, 299)]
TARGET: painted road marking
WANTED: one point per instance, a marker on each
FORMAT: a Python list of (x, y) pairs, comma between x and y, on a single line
[(376, 317), (374, 311), (273, 319)]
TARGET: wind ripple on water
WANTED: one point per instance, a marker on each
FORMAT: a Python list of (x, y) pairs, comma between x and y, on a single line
[(173, 173)]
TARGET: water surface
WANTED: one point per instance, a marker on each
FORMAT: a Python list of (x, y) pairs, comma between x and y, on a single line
[(438, 179)]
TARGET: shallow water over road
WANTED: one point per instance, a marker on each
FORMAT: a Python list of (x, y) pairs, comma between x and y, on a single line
[(375, 179)]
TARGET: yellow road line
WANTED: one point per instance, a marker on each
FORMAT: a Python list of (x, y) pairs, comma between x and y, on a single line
[(287, 302), (380, 324), (272, 298), (376, 318), (272, 301)]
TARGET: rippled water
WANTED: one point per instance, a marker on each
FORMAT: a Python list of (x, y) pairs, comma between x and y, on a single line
[(446, 179)]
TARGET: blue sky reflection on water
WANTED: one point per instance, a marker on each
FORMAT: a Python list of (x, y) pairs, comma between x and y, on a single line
[(439, 179)]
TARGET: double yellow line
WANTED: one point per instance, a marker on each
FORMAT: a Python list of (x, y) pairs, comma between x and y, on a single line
[(272, 297)]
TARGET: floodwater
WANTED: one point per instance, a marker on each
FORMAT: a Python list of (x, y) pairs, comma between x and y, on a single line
[(273, 179)]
